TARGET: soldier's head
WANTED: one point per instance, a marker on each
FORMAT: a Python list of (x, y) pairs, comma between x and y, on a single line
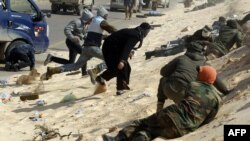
[(206, 74), (86, 16), (101, 11), (222, 19), (232, 24), (206, 31), (145, 28)]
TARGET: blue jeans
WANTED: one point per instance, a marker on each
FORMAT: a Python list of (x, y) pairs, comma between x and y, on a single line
[(87, 54)]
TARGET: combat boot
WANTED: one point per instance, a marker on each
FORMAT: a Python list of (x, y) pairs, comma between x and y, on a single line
[(119, 137), (84, 70), (93, 74), (15, 67), (47, 60), (148, 55), (140, 138), (95, 71), (7, 66), (101, 86), (51, 71)]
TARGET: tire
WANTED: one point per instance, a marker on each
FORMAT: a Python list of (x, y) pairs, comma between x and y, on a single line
[(64, 8), (54, 8), (112, 9), (13, 45)]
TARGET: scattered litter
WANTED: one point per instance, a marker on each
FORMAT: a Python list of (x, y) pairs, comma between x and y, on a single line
[(37, 116), (79, 112), (68, 98), (113, 129), (43, 132), (29, 96), (3, 83), (27, 79), (187, 28), (141, 96), (40, 102), (5, 97)]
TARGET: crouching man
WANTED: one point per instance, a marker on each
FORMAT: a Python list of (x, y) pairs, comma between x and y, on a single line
[(21, 56), (199, 107)]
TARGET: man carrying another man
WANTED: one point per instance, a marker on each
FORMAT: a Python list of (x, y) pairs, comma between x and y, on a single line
[(91, 45)]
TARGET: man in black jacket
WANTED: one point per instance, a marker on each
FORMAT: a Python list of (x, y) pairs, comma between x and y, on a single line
[(21, 56), (116, 51)]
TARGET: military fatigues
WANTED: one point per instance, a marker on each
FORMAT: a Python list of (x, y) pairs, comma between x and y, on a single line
[(178, 73), (225, 41), (202, 102)]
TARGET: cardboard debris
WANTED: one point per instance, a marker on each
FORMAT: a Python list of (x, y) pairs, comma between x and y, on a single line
[(187, 28)]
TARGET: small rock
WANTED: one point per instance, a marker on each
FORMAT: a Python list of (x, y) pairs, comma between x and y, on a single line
[(187, 28), (238, 92), (112, 129)]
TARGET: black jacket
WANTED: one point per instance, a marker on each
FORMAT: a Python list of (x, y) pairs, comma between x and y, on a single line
[(183, 68), (119, 44), (22, 50)]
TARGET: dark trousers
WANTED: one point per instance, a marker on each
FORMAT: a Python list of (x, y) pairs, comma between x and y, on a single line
[(156, 125), (122, 76), (170, 89), (164, 52), (74, 49)]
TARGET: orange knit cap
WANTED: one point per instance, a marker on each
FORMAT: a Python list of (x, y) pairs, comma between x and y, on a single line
[(207, 74)]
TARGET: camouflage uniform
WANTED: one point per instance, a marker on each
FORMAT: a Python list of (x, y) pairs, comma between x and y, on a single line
[(202, 102), (225, 41), (178, 73)]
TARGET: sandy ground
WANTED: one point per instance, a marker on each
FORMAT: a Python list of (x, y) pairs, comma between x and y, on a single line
[(90, 116)]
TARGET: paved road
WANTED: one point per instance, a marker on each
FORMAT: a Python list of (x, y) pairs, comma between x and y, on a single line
[(57, 23)]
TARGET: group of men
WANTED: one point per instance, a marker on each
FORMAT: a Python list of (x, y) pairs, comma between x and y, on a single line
[(194, 87), (220, 39)]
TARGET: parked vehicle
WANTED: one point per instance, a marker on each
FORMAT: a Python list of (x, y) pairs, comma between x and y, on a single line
[(22, 22), (119, 4), (163, 3), (75, 5)]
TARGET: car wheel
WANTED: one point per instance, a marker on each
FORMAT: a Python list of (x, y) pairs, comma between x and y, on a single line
[(112, 9), (13, 45), (54, 8)]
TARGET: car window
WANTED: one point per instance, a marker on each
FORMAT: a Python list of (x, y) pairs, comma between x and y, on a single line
[(23, 6)]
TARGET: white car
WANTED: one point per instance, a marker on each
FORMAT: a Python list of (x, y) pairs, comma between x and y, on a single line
[(164, 3), (119, 4)]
